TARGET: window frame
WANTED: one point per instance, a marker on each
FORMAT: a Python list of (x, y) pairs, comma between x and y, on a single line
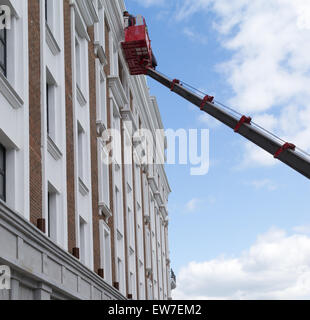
[(3, 171), (4, 44)]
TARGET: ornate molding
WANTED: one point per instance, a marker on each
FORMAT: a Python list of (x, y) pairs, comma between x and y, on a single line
[(53, 150), (9, 93), (117, 90)]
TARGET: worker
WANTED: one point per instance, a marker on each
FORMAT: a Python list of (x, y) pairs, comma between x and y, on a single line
[(130, 20)]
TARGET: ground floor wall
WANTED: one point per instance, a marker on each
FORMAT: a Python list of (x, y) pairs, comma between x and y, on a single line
[(41, 270)]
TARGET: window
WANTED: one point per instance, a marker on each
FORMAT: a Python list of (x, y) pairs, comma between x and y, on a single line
[(51, 96), (118, 210), (82, 240), (131, 229), (101, 91), (101, 26), (3, 51), (120, 270), (49, 13), (103, 94), (148, 249), (78, 62), (52, 214), (105, 244), (46, 10), (140, 242), (48, 108), (104, 190), (113, 57), (2, 173), (80, 151)]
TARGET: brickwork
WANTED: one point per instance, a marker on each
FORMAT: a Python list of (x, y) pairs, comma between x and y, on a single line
[(35, 111)]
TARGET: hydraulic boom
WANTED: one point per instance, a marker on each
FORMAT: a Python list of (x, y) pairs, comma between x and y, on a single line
[(286, 153), (141, 60)]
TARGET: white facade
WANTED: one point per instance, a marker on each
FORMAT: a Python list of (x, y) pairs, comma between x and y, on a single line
[(133, 249)]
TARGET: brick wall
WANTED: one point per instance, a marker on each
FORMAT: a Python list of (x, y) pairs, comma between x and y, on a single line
[(69, 128), (35, 111), (107, 70), (93, 145)]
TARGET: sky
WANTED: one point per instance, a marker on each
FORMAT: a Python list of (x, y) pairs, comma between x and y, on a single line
[(242, 231)]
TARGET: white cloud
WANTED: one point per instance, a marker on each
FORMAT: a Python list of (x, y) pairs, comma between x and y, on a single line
[(277, 266), (269, 69), (192, 205), (302, 229), (195, 36), (264, 184)]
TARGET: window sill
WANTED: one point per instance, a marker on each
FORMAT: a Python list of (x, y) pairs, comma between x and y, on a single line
[(51, 41), (83, 188), (80, 96), (9, 93), (53, 150)]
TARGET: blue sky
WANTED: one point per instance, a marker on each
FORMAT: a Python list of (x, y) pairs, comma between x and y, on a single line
[(246, 203)]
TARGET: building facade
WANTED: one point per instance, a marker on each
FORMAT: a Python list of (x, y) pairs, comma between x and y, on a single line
[(83, 197)]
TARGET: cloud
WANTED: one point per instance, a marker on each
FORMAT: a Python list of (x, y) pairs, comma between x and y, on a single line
[(264, 184), (269, 66), (192, 205), (277, 266), (302, 229), (195, 36)]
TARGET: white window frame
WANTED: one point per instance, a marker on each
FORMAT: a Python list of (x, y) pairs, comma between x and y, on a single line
[(103, 175), (101, 96), (105, 251)]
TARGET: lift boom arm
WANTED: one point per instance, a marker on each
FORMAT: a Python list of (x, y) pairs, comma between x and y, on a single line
[(286, 153)]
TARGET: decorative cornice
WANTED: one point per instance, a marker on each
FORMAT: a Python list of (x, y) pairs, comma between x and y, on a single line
[(164, 212), (101, 55), (9, 93), (83, 188), (127, 115), (88, 11), (118, 92), (80, 96), (153, 184), (53, 149), (158, 198), (105, 211), (51, 41)]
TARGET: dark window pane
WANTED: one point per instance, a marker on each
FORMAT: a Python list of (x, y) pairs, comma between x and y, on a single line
[(2, 35), (1, 158), (2, 172), (3, 51), (2, 187)]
